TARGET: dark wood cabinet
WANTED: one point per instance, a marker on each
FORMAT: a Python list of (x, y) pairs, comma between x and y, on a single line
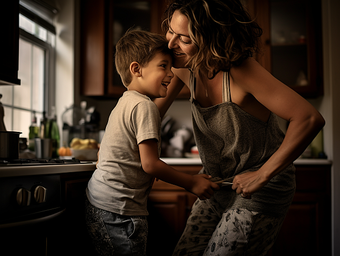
[(102, 23), (307, 227), (9, 45), (69, 236), (169, 207), (305, 231), (291, 42)]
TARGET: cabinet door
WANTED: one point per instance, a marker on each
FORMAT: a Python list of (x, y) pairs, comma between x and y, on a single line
[(124, 15), (103, 22), (306, 229), (302, 232), (70, 236), (291, 42), (92, 47), (166, 221)]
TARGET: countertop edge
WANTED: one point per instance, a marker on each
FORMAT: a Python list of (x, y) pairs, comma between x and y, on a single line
[(15, 171), (197, 161)]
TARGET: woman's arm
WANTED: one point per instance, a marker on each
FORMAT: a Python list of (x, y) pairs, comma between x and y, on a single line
[(304, 120), (199, 185)]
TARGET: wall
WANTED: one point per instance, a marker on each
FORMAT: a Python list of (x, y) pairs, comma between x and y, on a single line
[(64, 57), (330, 106)]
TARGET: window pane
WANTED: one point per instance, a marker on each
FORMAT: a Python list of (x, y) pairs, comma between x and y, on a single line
[(8, 118), (41, 33), (23, 92), (7, 92), (34, 29), (26, 24), (21, 122), (38, 78), (31, 72)]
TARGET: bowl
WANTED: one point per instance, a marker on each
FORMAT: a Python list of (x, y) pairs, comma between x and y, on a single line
[(85, 154)]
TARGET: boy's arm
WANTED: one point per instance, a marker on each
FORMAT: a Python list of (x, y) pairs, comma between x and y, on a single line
[(199, 185)]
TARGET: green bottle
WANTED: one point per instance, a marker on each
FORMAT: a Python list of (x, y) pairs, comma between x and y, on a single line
[(33, 132), (53, 133), (43, 127)]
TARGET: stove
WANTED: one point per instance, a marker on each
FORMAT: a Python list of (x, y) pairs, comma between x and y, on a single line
[(35, 162), (28, 167), (31, 200), (30, 187)]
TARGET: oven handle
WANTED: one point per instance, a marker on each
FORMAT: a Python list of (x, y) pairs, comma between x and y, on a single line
[(32, 221)]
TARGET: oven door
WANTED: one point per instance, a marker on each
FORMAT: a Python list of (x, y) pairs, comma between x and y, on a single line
[(31, 207)]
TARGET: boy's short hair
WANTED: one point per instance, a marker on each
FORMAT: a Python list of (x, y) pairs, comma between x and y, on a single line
[(140, 46)]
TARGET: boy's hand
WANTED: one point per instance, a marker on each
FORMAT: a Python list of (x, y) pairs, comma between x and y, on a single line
[(203, 187)]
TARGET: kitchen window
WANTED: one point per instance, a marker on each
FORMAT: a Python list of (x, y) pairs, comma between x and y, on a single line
[(36, 72)]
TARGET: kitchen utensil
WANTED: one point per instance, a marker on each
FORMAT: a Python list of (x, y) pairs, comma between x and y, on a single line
[(9, 144), (85, 154), (43, 148), (226, 183), (166, 127), (223, 182)]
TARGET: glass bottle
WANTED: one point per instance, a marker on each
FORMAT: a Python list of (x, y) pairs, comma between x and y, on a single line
[(33, 132), (43, 126), (53, 133)]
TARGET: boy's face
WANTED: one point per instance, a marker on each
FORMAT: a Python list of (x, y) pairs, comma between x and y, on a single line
[(155, 76)]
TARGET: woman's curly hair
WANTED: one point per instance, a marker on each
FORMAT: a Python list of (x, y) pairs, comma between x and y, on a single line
[(222, 30)]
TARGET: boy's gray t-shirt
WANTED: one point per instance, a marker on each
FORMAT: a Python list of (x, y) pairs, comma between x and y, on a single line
[(119, 183)]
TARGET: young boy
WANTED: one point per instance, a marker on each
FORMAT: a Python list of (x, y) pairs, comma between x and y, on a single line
[(129, 153)]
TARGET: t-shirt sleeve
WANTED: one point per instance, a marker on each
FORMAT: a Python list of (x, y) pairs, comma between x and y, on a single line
[(146, 121)]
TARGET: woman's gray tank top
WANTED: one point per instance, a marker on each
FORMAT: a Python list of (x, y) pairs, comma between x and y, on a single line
[(230, 141)]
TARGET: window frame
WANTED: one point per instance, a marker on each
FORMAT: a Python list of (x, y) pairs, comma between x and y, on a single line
[(49, 49), (49, 71)]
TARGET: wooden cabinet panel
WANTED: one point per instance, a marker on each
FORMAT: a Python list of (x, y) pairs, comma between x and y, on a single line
[(102, 23), (92, 63), (307, 227), (291, 42), (70, 236), (305, 231), (166, 221), (169, 207), (303, 217)]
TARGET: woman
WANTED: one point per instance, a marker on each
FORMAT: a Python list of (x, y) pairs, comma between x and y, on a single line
[(234, 106)]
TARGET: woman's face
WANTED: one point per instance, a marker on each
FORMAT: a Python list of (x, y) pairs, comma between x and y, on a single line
[(179, 40)]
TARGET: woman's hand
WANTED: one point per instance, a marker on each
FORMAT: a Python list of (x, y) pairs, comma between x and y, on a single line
[(248, 183)]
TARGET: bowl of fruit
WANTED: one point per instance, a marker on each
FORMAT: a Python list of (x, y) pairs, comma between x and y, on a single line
[(82, 149)]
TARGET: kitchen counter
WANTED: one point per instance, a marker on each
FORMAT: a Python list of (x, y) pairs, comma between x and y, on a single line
[(197, 161), (14, 171)]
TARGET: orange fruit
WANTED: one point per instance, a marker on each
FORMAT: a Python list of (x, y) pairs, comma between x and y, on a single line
[(68, 152), (62, 151)]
